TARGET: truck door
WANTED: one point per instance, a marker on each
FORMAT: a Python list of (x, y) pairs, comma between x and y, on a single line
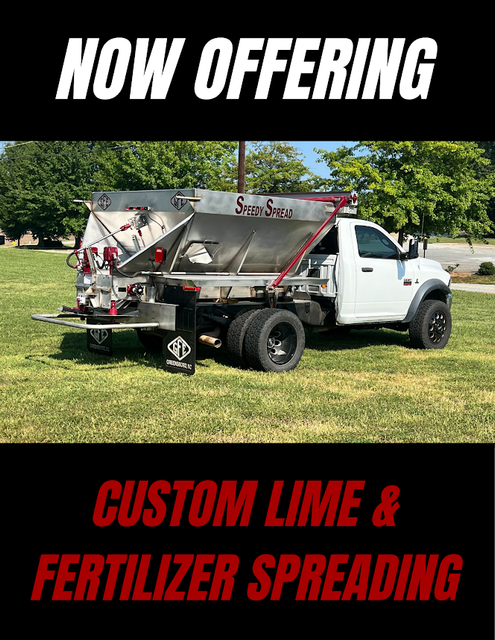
[(384, 284)]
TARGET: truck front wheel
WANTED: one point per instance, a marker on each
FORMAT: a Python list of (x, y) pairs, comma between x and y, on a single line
[(431, 326), (275, 341)]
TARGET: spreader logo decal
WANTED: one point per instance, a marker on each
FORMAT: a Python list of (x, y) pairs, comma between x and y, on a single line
[(104, 201), (179, 348), (177, 201), (100, 335)]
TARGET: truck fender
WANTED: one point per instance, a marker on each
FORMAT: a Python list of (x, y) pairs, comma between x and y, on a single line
[(424, 290)]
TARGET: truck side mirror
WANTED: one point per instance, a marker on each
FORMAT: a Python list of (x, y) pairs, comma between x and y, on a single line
[(413, 249)]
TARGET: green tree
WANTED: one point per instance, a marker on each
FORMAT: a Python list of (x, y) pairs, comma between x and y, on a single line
[(168, 165), (277, 167), (441, 187), (38, 183), (489, 148)]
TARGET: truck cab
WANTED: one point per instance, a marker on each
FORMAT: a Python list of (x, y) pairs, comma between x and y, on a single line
[(371, 279)]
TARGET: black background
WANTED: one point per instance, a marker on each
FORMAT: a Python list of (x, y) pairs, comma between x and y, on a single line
[(446, 507), (446, 499)]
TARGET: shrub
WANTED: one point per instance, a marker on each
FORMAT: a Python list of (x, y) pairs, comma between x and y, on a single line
[(486, 269)]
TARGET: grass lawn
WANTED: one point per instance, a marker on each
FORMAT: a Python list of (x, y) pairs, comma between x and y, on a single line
[(367, 387), (459, 240)]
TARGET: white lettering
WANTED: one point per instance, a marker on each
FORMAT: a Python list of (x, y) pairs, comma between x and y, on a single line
[(358, 66), (158, 70), (271, 64), (298, 66), (425, 71), (77, 67), (383, 68), (223, 48), (243, 64), (123, 49), (333, 63)]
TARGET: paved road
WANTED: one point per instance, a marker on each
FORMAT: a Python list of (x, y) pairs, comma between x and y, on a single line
[(452, 254), (478, 288)]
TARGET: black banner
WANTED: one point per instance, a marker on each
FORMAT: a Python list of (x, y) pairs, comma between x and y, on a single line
[(345, 537)]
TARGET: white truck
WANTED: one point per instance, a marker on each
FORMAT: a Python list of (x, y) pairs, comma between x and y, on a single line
[(251, 271)]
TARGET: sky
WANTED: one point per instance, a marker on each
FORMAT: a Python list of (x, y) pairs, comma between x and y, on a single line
[(306, 148)]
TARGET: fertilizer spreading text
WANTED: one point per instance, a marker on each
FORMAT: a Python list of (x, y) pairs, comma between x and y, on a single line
[(333, 576), (259, 68)]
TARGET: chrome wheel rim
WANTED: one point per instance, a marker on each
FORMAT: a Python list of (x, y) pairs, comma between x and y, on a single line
[(281, 344)]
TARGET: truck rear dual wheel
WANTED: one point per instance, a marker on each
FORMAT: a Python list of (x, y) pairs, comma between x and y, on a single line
[(431, 326), (274, 341), (237, 332)]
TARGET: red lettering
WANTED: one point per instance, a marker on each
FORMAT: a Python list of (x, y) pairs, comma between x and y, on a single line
[(114, 560), (294, 503), (64, 575), (225, 570), (209, 488), (287, 571), (387, 562), (43, 573), (422, 576), (269, 209), (91, 567), (348, 502), (332, 576), (198, 576), (114, 488), (227, 502), (444, 577), (158, 487), (311, 500), (271, 519), (402, 579), (185, 560), (259, 591), (358, 578), (240, 200), (162, 576), (182, 487), (124, 519), (312, 570), (139, 593), (129, 576)]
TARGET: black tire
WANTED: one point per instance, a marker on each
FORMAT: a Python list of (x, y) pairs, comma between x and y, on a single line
[(274, 341), (431, 326), (150, 341), (237, 331)]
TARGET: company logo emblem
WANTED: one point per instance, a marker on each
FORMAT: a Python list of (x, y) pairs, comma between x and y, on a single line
[(104, 201), (177, 201), (179, 348), (100, 335)]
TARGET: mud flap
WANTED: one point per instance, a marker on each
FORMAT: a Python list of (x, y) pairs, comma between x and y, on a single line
[(179, 346), (99, 339)]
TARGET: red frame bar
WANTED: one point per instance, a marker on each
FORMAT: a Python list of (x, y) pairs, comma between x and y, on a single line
[(343, 201)]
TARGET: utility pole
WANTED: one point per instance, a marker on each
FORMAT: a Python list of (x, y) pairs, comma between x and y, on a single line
[(241, 182)]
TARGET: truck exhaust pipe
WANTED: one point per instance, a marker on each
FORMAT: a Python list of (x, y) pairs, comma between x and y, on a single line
[(211, 341)]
